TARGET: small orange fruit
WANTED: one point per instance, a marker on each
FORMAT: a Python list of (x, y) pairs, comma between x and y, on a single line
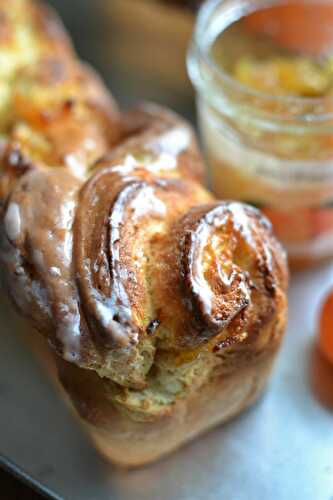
[(326, 328), (302, 27)]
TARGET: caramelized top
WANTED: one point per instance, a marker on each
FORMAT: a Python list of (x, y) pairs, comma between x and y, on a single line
[(109, 242)]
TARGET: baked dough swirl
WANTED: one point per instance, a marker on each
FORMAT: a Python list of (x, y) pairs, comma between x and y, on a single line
[(148, 289)]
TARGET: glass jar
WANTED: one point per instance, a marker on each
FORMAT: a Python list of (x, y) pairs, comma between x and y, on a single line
[(272, 151)]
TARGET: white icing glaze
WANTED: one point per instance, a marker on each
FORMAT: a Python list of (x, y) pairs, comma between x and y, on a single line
[(55, 271), (107, 311), (12, 221), (77, 167), (52, 237), (69, 332), (128, 165), (243, 223), (89, 144), (65, 219), (119, 293), (39, 260), (164, 161), (66, 250), (200, 285), (173, 142), (161, 161), (115, 312), (200, 238), (146, 202), (40, 296), (65, 222)]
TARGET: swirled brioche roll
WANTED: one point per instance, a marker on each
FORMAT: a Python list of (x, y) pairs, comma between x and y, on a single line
[(164, 307)]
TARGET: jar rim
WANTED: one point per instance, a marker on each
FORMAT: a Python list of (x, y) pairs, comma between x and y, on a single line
[(207, 30)]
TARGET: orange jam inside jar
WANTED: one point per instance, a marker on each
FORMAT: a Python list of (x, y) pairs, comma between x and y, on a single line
[(263, 72)]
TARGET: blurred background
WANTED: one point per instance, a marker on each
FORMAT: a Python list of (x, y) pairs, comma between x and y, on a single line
[(139, 46)]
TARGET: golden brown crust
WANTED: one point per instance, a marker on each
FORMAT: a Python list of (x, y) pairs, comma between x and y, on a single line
[(131, 444), (111, 246)]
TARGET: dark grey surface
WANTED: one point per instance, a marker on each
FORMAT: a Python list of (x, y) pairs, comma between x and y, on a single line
[(281, 449), (10, 472)]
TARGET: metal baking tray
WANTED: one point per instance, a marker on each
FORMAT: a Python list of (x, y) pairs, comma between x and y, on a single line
[(281, 449)]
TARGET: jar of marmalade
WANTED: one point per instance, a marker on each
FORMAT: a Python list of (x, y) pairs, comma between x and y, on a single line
[(263, 72)]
